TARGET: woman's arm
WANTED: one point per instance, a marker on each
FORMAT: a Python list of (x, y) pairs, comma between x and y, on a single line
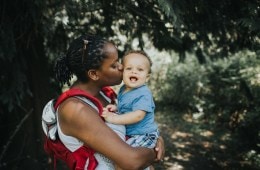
[(81, 121)]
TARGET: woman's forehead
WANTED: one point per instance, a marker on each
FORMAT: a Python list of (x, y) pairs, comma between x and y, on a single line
[(110, 48)]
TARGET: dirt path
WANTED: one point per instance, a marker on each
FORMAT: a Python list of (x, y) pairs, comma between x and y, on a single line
[(191, 145)]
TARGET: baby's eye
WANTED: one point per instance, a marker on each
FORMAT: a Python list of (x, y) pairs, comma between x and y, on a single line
[(128, 68), (140, 69)]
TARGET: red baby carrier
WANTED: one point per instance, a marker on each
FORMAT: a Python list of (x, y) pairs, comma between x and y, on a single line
[(53, 146)]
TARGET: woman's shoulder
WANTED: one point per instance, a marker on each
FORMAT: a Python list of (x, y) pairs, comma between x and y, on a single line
[(74, 114), (72, 107)]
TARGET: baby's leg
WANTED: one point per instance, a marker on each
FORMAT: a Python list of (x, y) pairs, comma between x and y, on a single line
[(150, 167), (148, 141)]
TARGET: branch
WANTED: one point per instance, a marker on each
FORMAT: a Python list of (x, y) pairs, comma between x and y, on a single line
[(18, 127)]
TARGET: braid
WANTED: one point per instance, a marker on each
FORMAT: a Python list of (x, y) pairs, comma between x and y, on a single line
[(84, 53), (63, 73)]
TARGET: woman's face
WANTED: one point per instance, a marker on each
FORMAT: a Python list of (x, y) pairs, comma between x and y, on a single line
[(111, 69)]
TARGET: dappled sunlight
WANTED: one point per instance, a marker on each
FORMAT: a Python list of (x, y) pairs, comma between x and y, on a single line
[(206, 144), (212, 145), (179, 134), (187, 117), (223, 147), (195, 144), (182, 156), (206, 133), (178, 142), (182, 144), (174, 166), (226, 137)]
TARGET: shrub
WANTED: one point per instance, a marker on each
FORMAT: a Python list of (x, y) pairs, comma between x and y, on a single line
[(224, 90)]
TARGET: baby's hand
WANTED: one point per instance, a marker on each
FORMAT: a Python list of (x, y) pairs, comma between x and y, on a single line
[(108, 115), (111, 108)]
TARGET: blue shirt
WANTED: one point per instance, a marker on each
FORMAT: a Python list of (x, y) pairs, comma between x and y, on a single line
[(138, 99)]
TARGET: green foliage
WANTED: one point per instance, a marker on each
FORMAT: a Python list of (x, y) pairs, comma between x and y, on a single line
[(13, 90), (221, 26), (225, 92), (182, 84), (251, 21), (225, 85), (204, 27), (230, 81), (253, 157), (170, 11)]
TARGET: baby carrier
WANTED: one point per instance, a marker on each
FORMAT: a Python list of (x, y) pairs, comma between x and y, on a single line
[(54, 147)]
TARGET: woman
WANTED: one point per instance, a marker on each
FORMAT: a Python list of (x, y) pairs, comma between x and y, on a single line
[(95, 63)]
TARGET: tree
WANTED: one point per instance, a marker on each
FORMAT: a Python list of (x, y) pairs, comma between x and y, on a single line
[(217, 28), (24, 80)]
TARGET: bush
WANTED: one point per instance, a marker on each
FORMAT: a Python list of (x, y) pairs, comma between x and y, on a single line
[(181, 85), (224, 90)]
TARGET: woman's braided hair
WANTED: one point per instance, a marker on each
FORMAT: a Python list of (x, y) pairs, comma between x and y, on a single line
[(85, 53)]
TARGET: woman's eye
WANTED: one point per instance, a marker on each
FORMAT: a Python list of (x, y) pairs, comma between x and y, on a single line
[(114, 65)]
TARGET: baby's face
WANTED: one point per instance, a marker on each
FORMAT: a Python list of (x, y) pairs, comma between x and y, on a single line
[(136, 70)]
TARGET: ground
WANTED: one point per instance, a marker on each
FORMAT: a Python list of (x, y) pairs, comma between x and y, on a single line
[(196, 145)]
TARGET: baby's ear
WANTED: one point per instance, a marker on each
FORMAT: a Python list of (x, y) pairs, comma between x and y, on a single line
[(147, 78)]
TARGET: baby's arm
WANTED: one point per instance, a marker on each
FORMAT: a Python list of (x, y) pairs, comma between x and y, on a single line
[(124, 119)]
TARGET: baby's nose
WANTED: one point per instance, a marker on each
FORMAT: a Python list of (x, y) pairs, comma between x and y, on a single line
[(120, 67)]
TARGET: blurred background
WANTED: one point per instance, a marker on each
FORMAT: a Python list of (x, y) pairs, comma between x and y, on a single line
[(205, 80)]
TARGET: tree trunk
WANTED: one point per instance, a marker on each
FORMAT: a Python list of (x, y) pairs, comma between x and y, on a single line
[(23, 135)]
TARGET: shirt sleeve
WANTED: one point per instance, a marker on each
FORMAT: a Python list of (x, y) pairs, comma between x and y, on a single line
[(144, 102)]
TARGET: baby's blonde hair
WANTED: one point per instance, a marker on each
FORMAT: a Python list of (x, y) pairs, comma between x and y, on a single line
[(142, 53)]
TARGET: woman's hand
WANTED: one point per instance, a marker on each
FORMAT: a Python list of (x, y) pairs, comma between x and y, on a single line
[(159, 149)]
